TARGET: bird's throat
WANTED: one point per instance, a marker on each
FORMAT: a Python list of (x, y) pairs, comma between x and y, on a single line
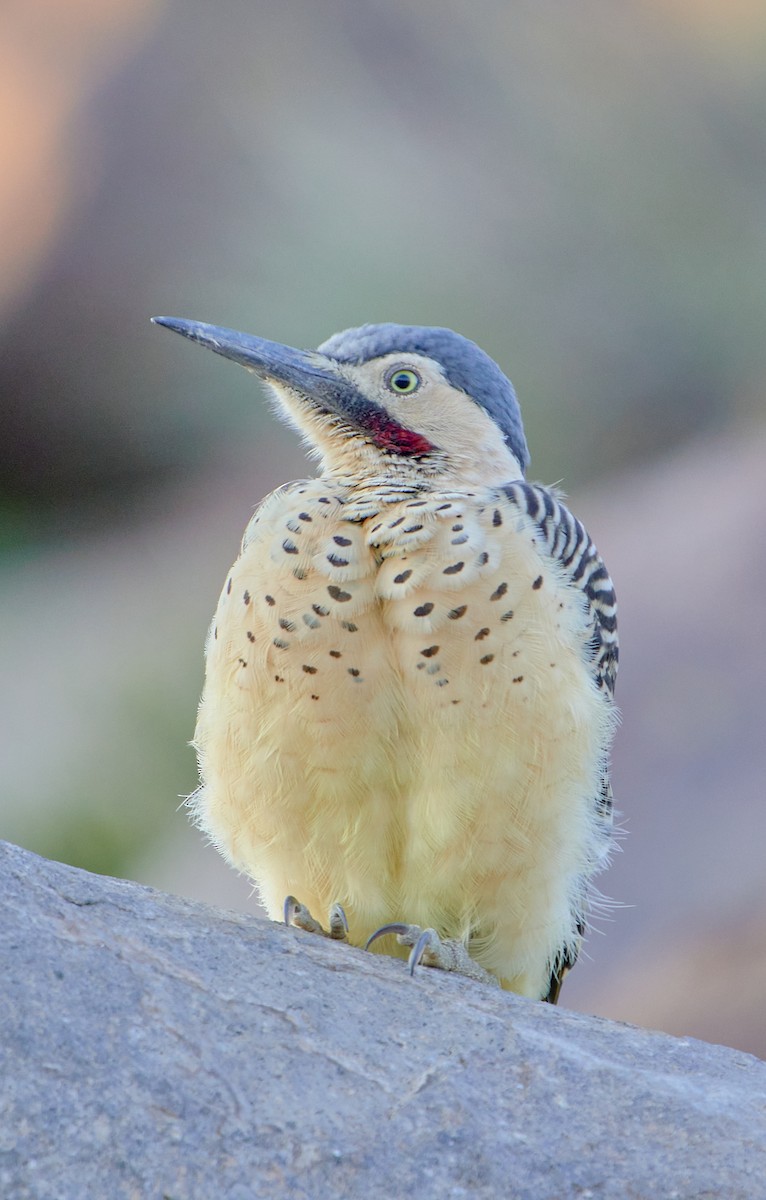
[(389, 435)]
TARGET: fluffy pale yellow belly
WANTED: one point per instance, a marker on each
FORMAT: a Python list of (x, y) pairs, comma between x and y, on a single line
[(398, 716)]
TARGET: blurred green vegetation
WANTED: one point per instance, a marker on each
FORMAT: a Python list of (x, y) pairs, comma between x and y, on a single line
[(125, 791)]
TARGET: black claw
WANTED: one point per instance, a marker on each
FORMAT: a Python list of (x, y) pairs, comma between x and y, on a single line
[(338, 911), (291, 907), (418, 950), (397, 927)]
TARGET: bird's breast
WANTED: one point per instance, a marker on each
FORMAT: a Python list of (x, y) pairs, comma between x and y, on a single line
[(397, 702), (436, 602)]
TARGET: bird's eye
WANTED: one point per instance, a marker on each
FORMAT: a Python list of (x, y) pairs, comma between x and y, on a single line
[(403, 381)]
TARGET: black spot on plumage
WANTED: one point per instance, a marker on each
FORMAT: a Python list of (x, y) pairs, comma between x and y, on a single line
[(456, 613), (497, 517), (350, 626), (314, 696), (270, 601), (457, 528), (354, 671), (338, 593), (304, 517), (460, 540), (518, 679), (585, 561), (412, 529), (598, 575), (323, 500), (403, 576), (507, 616), (442, 682), (335, 654), (454, 569), (537, 583), (215, 634), (309, 670), (499, 591), (288, 626), (242, 662), (423, 609), (336, 561), (442, 507), (417, 503), (605, 802), (430, 651), (289, 546), (488, 658), (280, 643), (279, 679), (532, 500), (579, 537), (394, 524), (320, 610), (246, 597), (228, 586), (480, 636), (250, 635), (483, 558), (341, 541)]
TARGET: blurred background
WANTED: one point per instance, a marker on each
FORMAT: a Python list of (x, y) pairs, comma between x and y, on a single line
[(579, 187)]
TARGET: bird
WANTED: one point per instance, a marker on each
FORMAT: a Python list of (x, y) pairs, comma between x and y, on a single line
[(404, 734)]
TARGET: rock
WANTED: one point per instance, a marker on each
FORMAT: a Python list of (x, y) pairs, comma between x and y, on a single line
[(151, 1047)]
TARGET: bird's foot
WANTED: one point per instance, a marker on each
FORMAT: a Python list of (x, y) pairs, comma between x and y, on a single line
[(298, 914), (428, 948)]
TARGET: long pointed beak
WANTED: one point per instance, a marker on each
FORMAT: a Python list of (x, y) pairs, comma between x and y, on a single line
[(316, 383), (307, 371)]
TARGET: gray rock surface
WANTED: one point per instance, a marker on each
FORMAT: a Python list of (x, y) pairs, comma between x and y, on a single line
[(153, 1047)]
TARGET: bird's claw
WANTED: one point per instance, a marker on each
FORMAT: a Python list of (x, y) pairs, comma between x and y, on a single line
[(429, 950), (425, 943), (299, 916), (425, 951), (338, 924), (396, 927)]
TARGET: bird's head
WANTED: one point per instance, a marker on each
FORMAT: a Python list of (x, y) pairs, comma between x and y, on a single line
[(403, 399)]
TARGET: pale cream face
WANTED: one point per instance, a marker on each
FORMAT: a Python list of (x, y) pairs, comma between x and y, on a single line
[(472, 448)]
